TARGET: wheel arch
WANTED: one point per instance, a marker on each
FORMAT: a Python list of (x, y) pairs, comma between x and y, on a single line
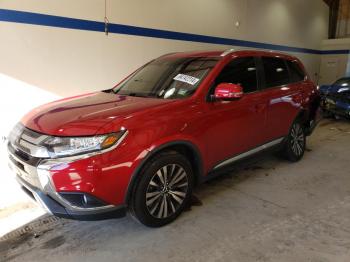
[(308, 119), (181, 146), (303, 115)]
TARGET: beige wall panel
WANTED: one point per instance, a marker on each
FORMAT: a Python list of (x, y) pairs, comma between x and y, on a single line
[(69, 62)]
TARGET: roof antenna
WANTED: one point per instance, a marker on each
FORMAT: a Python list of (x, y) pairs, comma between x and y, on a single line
[(106, 19)]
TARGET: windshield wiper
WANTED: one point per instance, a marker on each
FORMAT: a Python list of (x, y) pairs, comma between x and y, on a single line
[(138, 95), (107, 90)]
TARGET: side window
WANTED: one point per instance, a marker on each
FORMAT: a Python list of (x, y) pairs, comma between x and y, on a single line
[(296, 73), (240, 71), (276, 72)]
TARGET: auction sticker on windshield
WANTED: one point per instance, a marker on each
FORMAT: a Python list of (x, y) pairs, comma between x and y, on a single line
[(186, 79)]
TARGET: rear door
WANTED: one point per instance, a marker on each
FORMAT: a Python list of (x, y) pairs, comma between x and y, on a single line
[(283, 95)]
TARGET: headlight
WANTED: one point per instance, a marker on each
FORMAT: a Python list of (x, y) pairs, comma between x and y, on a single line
[(69, 146)]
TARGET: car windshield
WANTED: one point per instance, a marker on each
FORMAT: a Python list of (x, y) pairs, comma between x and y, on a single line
[(167, 78), (345, 82)]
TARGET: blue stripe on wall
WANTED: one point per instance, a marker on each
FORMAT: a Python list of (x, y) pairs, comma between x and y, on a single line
[(81, 24)]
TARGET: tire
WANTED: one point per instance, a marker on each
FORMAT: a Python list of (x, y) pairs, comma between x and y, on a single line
[(163, 190), (295, 144)]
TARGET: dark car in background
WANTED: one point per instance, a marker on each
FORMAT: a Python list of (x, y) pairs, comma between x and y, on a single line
[(335, 98)]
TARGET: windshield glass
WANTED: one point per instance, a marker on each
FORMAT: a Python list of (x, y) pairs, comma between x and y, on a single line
[(167, 78)]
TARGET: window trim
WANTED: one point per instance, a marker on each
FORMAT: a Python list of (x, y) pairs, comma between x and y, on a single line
[(126, 79), (290, 74), (258, 79), (263, 74)]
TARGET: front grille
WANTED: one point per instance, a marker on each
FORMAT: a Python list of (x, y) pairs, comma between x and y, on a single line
[(22, 155), (28, 159), (27, 143), (17, 164), (31, 133)]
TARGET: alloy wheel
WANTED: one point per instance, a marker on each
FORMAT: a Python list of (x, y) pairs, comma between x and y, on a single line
[(297, 139), (166, 191)]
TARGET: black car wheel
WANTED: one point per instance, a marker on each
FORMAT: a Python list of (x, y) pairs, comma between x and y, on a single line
[(295, 143), (163, 190)]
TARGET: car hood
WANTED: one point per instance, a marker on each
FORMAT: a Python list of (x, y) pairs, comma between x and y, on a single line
[(86, 114)]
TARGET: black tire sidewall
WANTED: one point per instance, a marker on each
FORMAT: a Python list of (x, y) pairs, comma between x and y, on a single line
[(138, 205)]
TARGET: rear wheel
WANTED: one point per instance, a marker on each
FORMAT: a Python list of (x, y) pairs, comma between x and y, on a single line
[(295, 144), (163, 190)]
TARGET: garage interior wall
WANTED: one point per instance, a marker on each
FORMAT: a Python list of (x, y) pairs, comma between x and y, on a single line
[(334, 66), (68, 62)]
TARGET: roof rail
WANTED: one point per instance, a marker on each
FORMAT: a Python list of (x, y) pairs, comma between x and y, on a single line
[(171, 53), (228, 51)]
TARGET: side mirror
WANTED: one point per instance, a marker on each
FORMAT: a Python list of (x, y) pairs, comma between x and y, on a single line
[(228, 91)]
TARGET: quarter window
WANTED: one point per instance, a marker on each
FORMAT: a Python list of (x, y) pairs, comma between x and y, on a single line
[(296, 73), (276, 72), (240, 71)]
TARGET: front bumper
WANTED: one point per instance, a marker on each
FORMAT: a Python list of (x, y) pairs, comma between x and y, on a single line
[(53, 202), (336, 107), (57, 209)]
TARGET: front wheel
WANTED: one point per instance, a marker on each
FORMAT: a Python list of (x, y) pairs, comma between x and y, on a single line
[(163, 189), (295, 143)]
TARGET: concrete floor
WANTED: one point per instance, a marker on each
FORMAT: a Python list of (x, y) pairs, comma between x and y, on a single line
[(267, 210)]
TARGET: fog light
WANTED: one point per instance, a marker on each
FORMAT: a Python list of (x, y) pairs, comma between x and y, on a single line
[(82, 200)]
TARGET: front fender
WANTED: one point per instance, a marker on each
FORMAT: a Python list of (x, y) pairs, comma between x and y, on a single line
[(158, 147)]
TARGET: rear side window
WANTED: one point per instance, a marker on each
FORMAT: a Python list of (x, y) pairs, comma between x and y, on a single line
[(276, 72), (296, 73), (241, 71)]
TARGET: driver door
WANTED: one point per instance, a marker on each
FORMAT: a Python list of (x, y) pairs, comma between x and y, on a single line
[(236, 126)]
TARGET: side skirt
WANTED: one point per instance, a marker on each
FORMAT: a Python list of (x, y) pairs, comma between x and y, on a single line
[(272, 145)]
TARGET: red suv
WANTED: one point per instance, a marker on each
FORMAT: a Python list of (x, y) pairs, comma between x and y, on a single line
[(172, 124)]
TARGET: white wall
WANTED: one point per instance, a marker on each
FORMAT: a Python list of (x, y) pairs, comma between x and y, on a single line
[(68, 62), (334, 66)]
